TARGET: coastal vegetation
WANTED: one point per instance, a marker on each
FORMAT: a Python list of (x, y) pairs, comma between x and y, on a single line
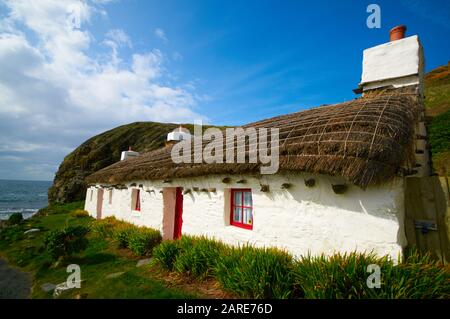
[(250, 272), (109, 251), (106, 270), (15, 218)]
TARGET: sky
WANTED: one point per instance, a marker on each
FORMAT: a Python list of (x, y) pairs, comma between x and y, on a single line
[(72, 69)]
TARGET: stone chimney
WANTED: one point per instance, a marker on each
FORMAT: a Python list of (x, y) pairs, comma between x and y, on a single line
[(395, 64)]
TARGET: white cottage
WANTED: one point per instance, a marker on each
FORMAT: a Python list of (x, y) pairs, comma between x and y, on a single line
[(340, 183)]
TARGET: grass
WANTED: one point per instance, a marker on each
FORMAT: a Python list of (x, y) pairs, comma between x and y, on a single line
[(250, 272), (207, 268), (101, 258)]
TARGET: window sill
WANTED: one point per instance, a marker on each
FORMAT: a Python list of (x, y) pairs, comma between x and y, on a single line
[(241, 227)]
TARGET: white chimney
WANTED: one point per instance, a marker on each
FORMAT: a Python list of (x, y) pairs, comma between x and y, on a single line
[(178, 134), (128, 154), (398, 63)]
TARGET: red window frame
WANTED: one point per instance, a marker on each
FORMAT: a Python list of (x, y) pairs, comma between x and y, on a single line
[(242, 206), (137, 205)]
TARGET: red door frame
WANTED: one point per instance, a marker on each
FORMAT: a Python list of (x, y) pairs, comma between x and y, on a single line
[(178, 221)]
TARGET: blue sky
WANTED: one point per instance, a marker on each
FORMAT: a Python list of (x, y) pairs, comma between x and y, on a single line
[(72, 69)]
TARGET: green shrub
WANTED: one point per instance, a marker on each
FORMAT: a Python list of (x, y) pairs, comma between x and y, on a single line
[(10, 235), (337, 276), (256, 272), (67, 241), (197, 256), (419, 276), (166, 253), (142, 240), (106, 227), (79, 213), (345, 276), (253, 272), (123, 234), (15, 219)]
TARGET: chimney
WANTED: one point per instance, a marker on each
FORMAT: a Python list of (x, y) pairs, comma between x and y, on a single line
[(128, 154), (178, 134), (397, 33), (395, 64)]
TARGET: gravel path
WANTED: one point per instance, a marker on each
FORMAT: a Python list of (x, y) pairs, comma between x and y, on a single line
[(14, 283)]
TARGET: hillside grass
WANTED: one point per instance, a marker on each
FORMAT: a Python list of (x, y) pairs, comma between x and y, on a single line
[(101, 258), (437, 109)]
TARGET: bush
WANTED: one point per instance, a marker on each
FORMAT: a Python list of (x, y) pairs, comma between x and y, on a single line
[(198, 256), (418, 277), (256, 272), (345, 276), (15, 218), (253, 272), (337, 276), (106, 227), (166, 253), (142, 240), (67, 241), (122, 235), (79, 213)]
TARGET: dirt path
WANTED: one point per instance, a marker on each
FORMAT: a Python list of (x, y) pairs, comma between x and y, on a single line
[(14, 283)]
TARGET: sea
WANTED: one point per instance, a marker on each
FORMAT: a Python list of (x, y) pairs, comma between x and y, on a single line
[(25, 197)]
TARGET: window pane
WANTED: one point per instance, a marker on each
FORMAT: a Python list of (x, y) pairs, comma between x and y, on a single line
[(238, 198), (248, 199), (248, 216), (237, 216)]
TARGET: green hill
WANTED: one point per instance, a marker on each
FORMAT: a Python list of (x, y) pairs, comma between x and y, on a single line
[(437, 104)]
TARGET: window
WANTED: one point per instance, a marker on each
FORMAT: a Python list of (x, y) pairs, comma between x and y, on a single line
[(137, 199), (241, 208), (110, 196), (92, 193)]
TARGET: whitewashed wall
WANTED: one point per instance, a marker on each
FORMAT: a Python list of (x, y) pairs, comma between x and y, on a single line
[(301, 219)]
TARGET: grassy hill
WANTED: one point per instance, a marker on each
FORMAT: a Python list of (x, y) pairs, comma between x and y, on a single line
[(437, 104)]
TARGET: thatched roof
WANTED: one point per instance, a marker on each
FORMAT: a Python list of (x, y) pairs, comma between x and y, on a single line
[(367, 141)]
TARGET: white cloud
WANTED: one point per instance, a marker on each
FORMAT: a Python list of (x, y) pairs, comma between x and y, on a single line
[(54, 92), (119, 37), (161, 35)]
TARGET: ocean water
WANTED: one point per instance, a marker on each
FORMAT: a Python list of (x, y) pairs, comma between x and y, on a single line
[(25, 197)]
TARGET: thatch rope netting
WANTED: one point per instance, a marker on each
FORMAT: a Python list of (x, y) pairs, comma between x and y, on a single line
[(367, 141)]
